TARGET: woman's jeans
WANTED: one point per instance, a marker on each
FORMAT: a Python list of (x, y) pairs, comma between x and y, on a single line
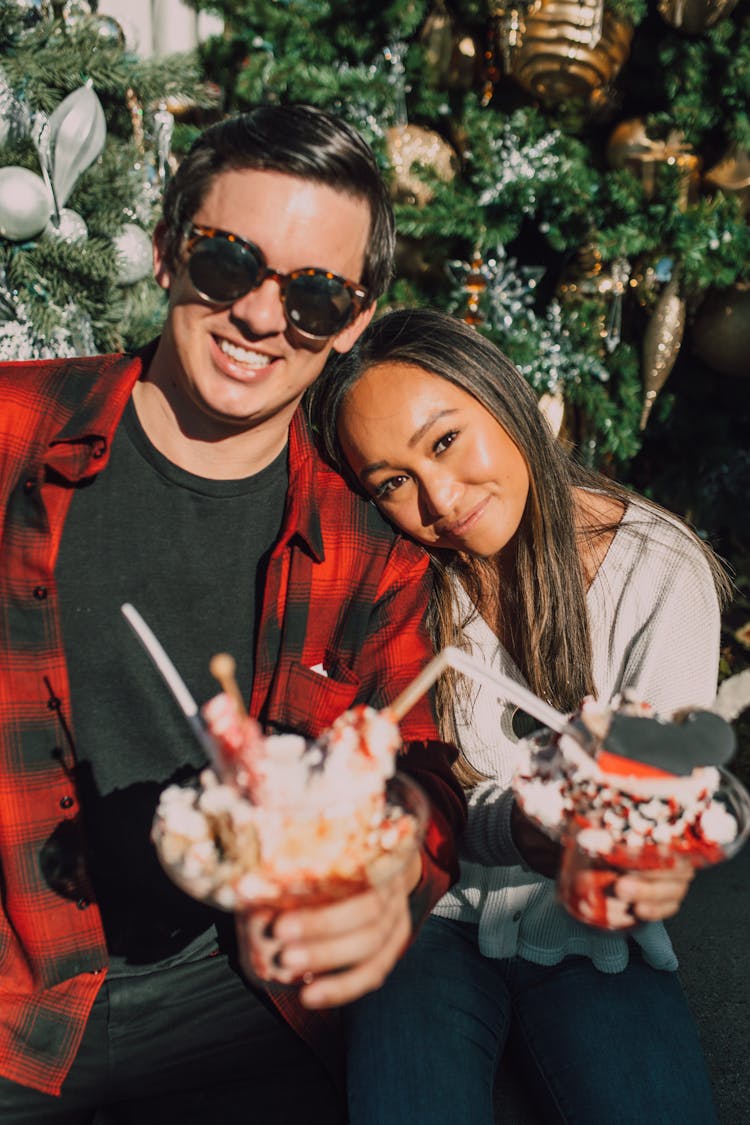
[(591, 1047)]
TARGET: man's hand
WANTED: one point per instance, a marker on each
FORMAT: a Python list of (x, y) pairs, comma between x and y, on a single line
[(340, 951)]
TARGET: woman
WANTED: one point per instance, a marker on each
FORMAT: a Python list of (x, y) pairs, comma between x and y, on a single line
[(571, 584)]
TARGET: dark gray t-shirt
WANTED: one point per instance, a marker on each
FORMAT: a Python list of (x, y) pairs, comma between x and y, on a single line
[(190, 554)]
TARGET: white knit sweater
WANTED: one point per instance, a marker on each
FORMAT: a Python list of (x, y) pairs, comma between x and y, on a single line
[(655, 627)]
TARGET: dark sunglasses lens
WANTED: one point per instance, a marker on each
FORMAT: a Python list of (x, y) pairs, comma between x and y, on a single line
[(222, 270), (318, 305)]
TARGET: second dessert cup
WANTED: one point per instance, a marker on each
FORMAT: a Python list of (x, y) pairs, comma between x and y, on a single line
[(609, 824)]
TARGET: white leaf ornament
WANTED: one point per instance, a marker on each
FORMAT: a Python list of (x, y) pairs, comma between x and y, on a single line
[(77, 131)]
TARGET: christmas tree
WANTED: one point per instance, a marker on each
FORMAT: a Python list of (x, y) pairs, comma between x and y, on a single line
[(86, 136), (573, 179)]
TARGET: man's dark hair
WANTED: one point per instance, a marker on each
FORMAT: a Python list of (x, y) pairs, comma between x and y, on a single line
[(297, 140)]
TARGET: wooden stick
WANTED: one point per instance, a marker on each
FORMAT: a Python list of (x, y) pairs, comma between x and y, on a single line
[(223, 668), (419, 685)]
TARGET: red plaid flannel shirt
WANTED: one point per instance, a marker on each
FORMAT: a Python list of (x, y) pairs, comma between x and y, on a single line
[(342, 592)]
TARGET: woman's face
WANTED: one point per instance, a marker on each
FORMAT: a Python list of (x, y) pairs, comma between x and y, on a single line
[(436, 462)]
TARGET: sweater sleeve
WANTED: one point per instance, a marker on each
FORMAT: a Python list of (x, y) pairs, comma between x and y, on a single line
[(656, 632)]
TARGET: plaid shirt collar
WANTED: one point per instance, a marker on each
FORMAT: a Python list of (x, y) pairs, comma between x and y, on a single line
[(81, 448), (302, 520)]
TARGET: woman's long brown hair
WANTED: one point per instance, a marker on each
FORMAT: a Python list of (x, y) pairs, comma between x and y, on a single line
[(537, 602)]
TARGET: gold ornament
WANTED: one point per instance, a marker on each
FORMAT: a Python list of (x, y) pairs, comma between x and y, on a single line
[(661, 343), (732, 176), (180, 106), (507, 28), (25, 203), (721, 330), (494, 50), (417, 260), (465, 64), (630, 146), (474, 286), (451, 55), (570, 52), (135, 109), (589, 279), (436, 40), (648, 279), (552, 407), (410, 145), (189, 110), (694, 16)]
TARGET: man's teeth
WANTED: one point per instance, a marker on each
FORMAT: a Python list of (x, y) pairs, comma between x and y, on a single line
[(244, 355)]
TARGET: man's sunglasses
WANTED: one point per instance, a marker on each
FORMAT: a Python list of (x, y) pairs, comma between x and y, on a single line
[(224, 267)]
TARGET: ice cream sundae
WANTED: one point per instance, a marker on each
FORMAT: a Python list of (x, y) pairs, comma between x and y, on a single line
[(284, 820), (591, 788)]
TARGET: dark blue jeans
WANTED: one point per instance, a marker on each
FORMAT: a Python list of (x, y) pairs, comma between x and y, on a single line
[(593, 1048), (192, 1045)]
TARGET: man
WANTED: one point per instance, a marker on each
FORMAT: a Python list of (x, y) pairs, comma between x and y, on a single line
[(184, 480)]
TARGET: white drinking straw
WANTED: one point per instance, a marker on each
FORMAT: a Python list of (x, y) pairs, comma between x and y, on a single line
[(173, 679), (506, 688)]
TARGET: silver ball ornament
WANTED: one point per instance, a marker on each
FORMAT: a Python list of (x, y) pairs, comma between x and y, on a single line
[(70, 228), (25, 203), (134, 255)]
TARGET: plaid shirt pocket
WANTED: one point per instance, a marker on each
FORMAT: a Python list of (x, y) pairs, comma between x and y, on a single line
[(307, 701)]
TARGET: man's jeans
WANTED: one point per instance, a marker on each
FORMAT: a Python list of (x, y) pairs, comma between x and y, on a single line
[(191, 1044), (592, 1048)]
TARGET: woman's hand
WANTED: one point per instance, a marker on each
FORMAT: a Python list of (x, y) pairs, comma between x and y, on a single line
[(654, 895)]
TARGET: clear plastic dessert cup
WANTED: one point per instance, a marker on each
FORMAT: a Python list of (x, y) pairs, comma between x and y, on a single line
[(586, 880), (262, 861), (611, 824)]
